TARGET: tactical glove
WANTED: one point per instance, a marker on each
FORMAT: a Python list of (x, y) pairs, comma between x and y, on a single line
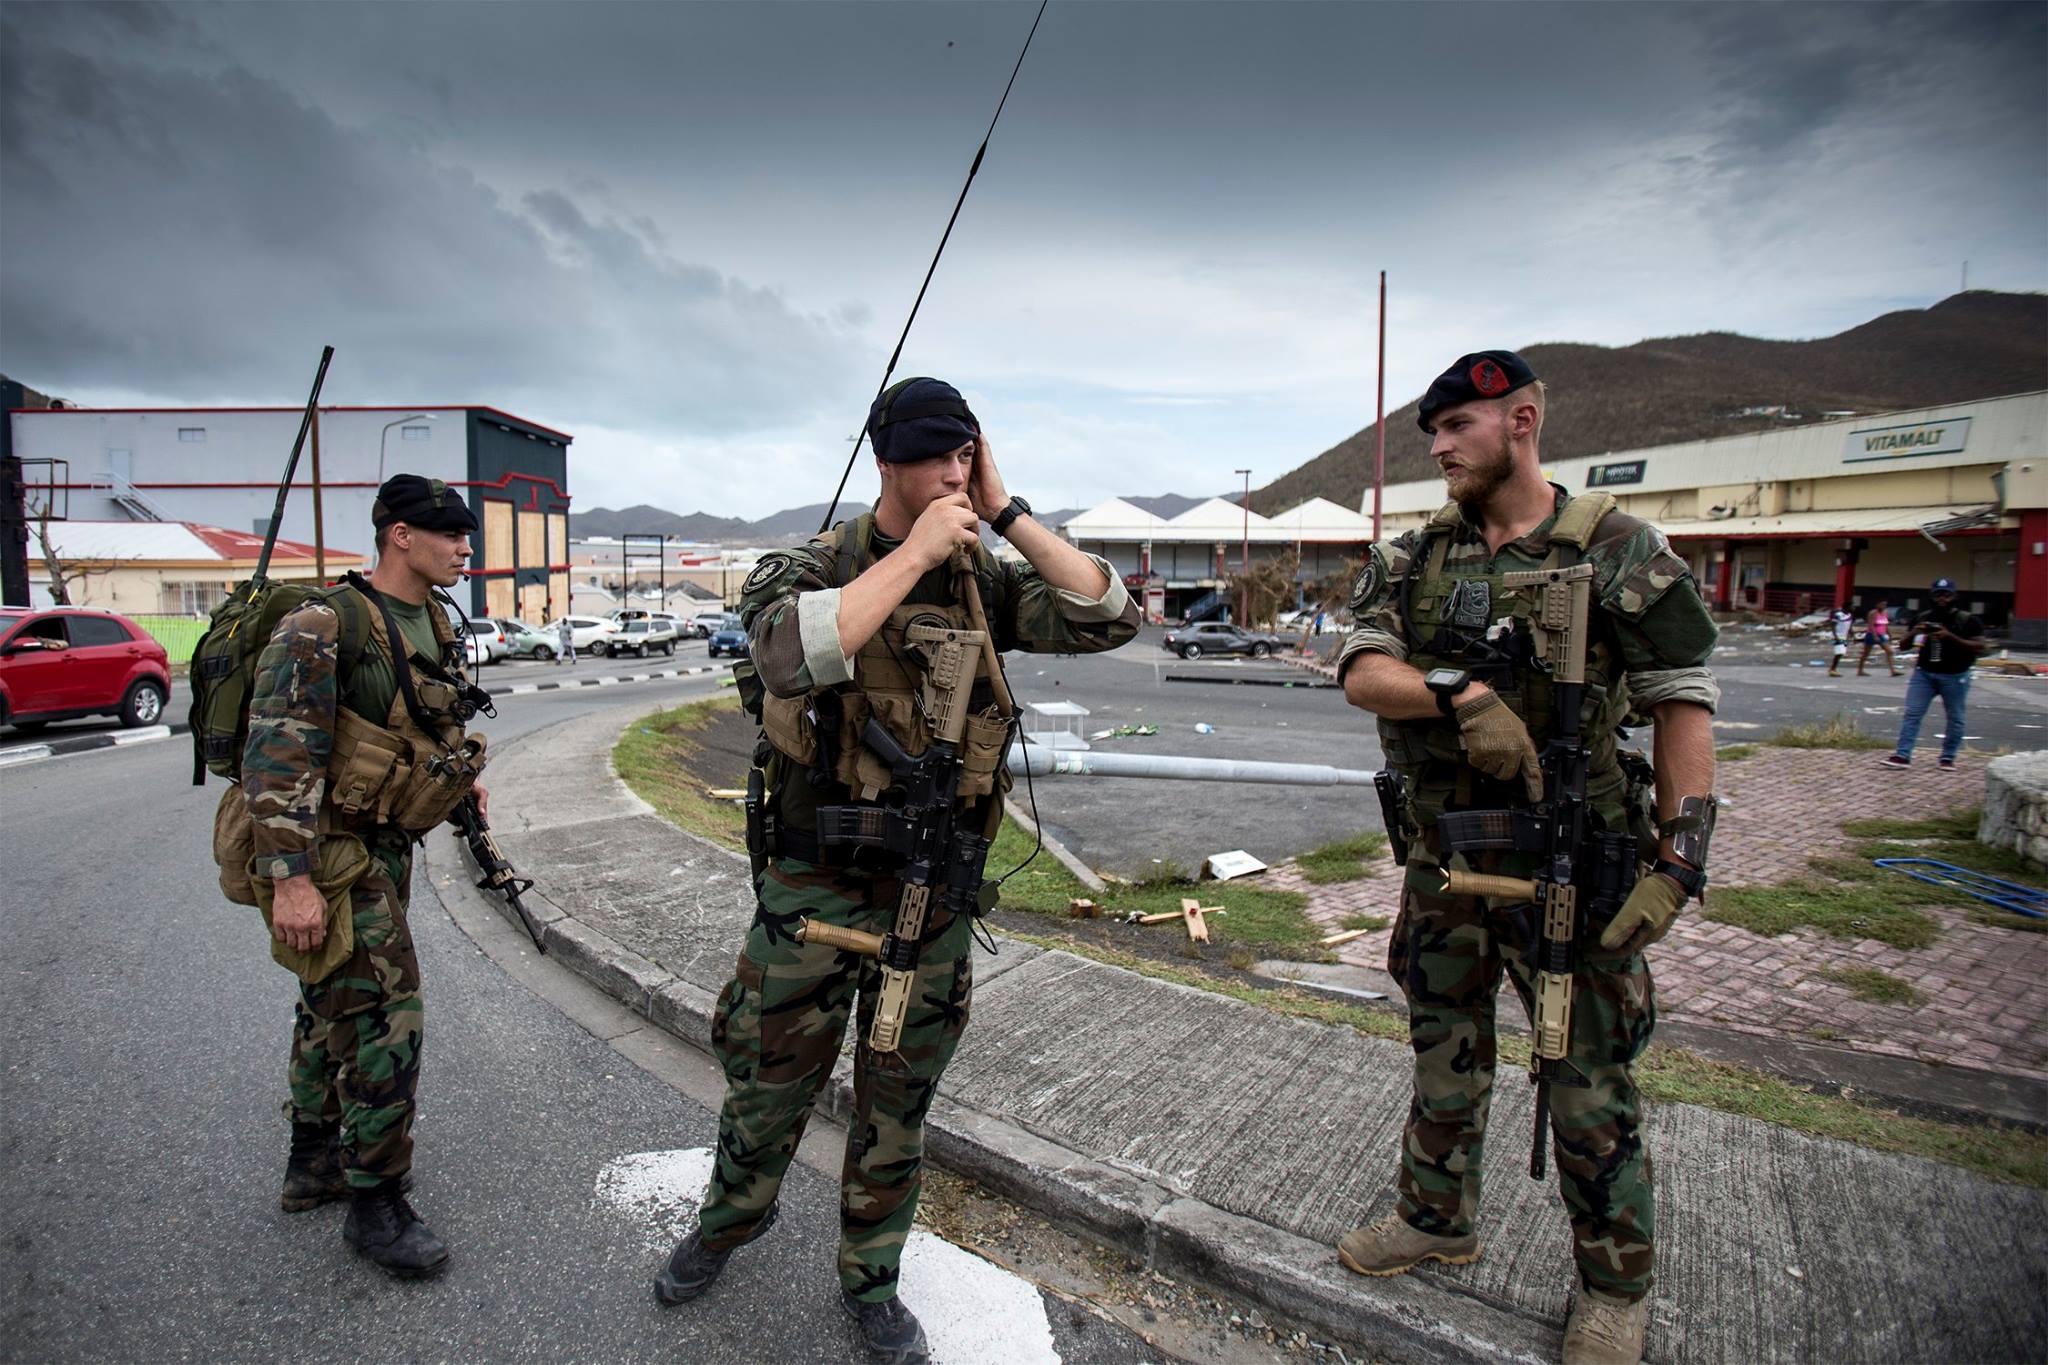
[(1498, 744), (1646, 916)]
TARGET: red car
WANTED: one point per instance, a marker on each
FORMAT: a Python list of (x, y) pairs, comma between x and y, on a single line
[(69, 662)]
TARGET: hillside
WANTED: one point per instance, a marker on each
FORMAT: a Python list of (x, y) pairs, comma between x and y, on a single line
[(1974, 345), (792, 524)]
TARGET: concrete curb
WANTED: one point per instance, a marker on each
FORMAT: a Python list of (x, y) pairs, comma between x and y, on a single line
[(81, 744), (610, 680)]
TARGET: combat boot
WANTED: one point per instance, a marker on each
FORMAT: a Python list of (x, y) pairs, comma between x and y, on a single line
[(692, 1266), (1604, 1330), (383, 1227), (1393, 1245), (890, 1331), (312, 1173)]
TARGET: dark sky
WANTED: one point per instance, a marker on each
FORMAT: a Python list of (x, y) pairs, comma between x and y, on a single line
[(689, 233)]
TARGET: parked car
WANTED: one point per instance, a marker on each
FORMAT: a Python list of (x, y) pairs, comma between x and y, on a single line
[(706, 623), (492, 644), (1214, 637), (641, 635), (528, 642), (729, 638), (590, 633), (69, 662)]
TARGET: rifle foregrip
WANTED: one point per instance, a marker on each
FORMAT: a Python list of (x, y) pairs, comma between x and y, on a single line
[(832, 936), (1481, 884)]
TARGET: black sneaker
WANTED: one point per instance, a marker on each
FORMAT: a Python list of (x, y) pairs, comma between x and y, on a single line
[(890, 1331), (692, 1266), (1947, 765), (1894, 761)]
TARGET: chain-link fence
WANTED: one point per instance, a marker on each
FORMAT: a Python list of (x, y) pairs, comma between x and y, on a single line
[(177, 634)]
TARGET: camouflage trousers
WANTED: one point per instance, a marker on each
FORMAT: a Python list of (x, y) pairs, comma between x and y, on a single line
[(777, 1032), (356, 1033), (1448, 953)]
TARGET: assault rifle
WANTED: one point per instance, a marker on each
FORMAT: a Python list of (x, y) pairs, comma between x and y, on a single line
[(1573, 861), (942, 859), (498, 876)]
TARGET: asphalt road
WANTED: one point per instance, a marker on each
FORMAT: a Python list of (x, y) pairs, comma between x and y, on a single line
[(144, 1035)]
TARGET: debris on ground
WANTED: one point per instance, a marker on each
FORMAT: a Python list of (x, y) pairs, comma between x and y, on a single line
[(1333, 940), (1192, 911), (1080, 907), (1126, 732), (1221, 867)]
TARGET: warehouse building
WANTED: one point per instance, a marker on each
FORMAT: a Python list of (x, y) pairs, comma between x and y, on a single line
[(219, 467)]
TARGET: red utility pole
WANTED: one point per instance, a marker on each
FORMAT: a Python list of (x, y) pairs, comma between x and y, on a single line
[(1379, 428)]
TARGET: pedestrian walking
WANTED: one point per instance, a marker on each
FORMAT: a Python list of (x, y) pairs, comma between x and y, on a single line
[(565, 631), (1877, 634), (1840, 624), (1950, 641)]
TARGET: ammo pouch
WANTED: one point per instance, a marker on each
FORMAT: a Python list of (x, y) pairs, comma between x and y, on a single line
[(344, 859), (234, 845), (385, 777)]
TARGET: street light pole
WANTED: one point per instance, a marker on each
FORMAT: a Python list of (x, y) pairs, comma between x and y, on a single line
[(1244, 562)]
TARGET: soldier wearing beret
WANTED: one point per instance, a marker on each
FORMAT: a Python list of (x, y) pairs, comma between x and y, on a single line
[(829, 624), (360, 670), (1462, 715)]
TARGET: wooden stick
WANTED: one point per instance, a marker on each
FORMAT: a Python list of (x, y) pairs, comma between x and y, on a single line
[(1191, 911), (1334, 939)]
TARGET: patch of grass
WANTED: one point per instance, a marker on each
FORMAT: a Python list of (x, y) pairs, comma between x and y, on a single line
[(1735, 753), (1838, 731), (1257, 915), (1824, 1033), (1345, 860), (653, 756), (1872, 984), (1959, 824), (1851, 911), (2014, 1155), (1366, 922)]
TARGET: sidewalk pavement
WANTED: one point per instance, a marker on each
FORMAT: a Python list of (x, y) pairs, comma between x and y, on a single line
[(1234, 1145)]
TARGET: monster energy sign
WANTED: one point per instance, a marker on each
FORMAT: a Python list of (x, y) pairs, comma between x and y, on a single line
[(1897, 443)]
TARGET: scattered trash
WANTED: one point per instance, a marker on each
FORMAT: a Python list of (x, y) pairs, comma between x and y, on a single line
[(1204, 728), (2021, 900), (1126, 732), (1795, 1272), (1082, 908), (726, 793), (1191, 912), (1332, 940), (1222, 867)]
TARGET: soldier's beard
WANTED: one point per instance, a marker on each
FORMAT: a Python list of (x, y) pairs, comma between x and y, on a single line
[(1473, 484)]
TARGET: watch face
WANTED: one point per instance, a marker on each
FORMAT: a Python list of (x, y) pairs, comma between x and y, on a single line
[(1441, 677)]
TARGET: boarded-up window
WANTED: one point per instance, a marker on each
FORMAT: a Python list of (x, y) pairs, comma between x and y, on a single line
[(558, 539), (558, 591), (497, 547), (533, 547), (498, 597), (533, 603)]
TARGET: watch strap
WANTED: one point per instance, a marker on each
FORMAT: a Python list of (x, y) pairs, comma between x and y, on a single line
[(1692, 879), (1015, 508)]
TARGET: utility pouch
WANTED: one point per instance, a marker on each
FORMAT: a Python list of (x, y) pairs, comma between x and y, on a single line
[(234, 845), (367, 762), (436, 785), (1614, 868), (746, 680), (343, 861), (787, 723), (982, 748)]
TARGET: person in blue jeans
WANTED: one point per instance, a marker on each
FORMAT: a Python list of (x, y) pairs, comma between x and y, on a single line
[(1950, 641)]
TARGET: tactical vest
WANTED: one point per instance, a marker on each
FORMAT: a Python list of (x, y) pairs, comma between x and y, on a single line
[(1468, 620), (397, 775), (821, 729)]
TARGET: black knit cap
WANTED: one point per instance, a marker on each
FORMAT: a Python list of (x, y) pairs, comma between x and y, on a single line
[(1482, 374), (426, 503), (920, 419)]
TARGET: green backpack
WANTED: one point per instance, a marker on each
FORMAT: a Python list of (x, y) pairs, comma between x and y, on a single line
[(223, 672)]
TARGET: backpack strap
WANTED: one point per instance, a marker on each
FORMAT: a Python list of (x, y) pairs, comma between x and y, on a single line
[(1581, 516), (845, 541)]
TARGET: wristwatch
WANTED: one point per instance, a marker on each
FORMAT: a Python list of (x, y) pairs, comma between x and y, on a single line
[(1446, 683), (1691, 879), (1016, 508)]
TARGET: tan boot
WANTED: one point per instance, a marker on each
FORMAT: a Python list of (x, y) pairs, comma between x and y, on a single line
[(1391, 1246), (1604, 1330)]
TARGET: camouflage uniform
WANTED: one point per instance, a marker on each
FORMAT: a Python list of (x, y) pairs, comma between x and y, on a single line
[(356, 1033), (779, 1023), (1651, 638)]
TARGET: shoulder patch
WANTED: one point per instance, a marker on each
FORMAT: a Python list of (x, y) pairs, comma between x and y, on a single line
[(765, 572), (1369, 580)]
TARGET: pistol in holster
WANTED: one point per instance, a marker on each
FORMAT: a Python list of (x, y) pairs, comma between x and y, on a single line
[(1394, 811), (760, 825)]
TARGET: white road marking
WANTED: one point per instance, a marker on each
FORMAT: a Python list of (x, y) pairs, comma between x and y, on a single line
[(25, 753), (143, 735), (974, 1312)]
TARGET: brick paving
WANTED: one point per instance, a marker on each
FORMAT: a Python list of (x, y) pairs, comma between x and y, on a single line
[(1985, 988)]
